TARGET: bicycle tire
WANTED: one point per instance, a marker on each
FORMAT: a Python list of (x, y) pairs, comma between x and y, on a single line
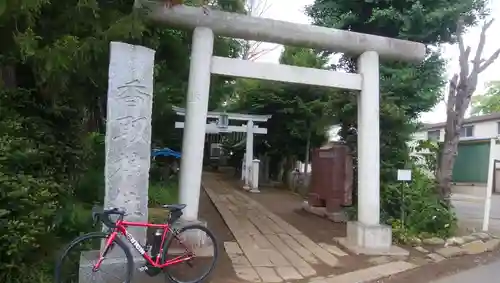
[(80, 239), (215, 255)]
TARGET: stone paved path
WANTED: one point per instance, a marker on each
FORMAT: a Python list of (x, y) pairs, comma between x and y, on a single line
[(266, 246), (268, 249)]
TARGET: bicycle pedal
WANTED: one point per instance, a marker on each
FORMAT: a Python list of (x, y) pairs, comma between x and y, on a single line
[(151, 270)]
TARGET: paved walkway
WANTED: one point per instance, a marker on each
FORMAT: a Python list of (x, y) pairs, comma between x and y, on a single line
[(268, 249)]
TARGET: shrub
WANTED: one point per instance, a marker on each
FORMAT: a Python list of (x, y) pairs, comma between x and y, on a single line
[(28, 205), (90, 187), (413, 209), (75, 219), (40, 159), (424, 154)]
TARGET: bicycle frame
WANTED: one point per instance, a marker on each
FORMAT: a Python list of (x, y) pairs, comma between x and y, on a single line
[(121, 227)]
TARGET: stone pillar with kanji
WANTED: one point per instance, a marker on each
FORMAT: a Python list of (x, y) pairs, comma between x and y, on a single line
[(128, 132)]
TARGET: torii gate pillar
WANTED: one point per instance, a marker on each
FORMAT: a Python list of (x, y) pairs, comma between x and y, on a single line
[(193, 141)]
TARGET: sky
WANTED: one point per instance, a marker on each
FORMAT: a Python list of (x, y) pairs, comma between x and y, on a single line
[(293, 11)]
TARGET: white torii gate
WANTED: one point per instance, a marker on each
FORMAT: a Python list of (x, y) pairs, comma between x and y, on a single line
[(249, 128), (367, 234)]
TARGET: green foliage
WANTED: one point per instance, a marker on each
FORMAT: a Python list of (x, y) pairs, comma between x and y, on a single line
[(90, 186), (426, 21), (23, 233), (75, 219), (415, 208), (38, 162), (425, 154), (298, 111), (163, 193), (302, 57), (489, 102)]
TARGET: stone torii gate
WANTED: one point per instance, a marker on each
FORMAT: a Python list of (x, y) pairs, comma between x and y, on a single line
[(249, 128), (363, 236)]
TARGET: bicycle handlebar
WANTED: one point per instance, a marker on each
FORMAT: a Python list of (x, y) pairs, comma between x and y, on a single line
[(98, 214)]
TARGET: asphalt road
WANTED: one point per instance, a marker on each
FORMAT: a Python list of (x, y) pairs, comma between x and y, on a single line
[(470, 212), (483, 274)]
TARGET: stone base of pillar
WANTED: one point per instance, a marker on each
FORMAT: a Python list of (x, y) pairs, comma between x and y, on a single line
[(375, 237), (370, 240), (112, 267), (334, 216)]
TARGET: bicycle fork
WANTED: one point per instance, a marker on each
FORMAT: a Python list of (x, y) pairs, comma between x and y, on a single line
[(108, 246)]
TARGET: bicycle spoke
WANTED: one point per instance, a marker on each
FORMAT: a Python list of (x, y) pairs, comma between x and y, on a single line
[(199, 247)]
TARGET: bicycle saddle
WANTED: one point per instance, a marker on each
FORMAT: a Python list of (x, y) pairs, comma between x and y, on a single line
[(174, 207)]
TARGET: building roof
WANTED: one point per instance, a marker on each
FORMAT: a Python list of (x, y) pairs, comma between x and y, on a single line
[(470, 120)]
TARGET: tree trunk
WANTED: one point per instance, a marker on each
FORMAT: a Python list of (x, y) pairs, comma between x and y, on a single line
[(461, 88), (448, 155), (281, 169), (8, 77), (267, 165), (459, 95), (308, 150)]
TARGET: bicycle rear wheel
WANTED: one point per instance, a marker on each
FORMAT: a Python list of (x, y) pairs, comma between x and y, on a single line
[(77, 261), (195, 240)]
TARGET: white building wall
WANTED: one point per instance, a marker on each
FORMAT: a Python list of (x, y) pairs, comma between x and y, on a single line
[(482, 130), (488, 129), (419, 136)]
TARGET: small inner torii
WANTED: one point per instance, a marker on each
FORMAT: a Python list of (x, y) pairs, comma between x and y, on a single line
[(249, 128)]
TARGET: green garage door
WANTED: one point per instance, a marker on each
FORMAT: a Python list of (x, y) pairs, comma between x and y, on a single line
[(471, 164)]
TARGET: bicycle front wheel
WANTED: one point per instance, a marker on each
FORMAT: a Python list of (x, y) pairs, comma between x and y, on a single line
[(196, 242), (77, 262)]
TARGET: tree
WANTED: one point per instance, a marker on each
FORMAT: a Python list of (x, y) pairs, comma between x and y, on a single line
[(461, 88), (488, 102), (317, 113), (52, 56)]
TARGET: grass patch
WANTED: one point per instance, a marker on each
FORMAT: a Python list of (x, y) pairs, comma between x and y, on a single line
[(161, 193), (157, 215)]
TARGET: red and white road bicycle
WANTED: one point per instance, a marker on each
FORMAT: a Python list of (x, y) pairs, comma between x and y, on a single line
[(170, 248)]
